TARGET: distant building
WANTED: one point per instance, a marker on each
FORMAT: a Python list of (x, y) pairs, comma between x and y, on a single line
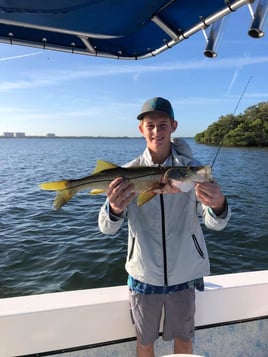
[(8, 135), (51, 135), (20, 135)]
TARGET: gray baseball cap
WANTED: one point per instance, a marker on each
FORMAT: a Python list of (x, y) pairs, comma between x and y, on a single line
[(156, 104)]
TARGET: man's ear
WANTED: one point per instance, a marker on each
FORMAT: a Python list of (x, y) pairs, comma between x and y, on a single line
[(141, 128), (174, 125)]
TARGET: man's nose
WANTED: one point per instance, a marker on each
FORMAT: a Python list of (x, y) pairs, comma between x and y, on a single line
[(156, 129)]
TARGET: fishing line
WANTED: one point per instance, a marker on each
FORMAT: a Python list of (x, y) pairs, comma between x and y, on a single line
[(235, 109)]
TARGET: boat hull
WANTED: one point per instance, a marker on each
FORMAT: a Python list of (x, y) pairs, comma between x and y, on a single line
[(233, 308)]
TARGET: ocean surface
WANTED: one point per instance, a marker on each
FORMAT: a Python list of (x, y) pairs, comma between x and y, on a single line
[(43, 250)]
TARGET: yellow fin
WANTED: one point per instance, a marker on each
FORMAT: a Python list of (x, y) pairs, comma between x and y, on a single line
[(96, 191), (54, 186), (63, 197), (103, 165), (145, 197)]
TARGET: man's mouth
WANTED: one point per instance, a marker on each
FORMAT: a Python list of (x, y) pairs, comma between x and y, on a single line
[(158, 138)]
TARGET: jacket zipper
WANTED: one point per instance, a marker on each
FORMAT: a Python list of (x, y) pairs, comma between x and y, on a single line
[(197, 246), (164, 229), (164, 239), (131, 249)]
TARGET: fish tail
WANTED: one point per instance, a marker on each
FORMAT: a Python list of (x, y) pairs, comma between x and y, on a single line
[(64, 194)]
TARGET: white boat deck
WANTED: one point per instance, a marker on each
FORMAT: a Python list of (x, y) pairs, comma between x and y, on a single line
[(61, 321)]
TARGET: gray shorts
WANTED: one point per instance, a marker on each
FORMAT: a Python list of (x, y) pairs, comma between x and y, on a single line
[(178, 307)]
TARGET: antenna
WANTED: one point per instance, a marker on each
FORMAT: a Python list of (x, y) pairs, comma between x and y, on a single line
[(235, 109)]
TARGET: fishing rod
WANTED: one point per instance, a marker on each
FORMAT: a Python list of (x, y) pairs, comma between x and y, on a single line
[(235, 109)]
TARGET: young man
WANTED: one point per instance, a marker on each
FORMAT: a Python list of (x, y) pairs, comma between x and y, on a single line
[(167, 256)]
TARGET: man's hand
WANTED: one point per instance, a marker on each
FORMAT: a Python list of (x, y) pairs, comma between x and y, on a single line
[(120, 193), (209, 193)]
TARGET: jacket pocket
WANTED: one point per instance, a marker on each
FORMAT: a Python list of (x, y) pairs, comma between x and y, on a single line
[(131, 249), (197, 246)]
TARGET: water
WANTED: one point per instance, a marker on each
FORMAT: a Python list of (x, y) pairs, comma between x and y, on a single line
[(42, 250)]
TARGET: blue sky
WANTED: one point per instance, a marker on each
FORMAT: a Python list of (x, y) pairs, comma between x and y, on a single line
[(52, 92)]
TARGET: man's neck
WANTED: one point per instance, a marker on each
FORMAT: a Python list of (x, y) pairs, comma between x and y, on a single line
[(160, 158)]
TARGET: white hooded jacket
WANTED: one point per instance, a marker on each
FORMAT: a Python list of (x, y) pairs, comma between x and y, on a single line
[(166, 245)]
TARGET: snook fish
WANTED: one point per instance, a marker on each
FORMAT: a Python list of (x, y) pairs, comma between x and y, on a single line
[(148, 181)]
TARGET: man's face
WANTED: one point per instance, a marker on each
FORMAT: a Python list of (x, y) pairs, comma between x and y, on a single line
[(156, 128)]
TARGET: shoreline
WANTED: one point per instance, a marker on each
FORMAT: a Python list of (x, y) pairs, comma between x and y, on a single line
[(77, 137)]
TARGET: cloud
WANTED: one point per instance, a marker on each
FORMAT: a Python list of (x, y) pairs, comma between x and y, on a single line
[(243, 61), (233, 80), (56, 77), (21, 56)]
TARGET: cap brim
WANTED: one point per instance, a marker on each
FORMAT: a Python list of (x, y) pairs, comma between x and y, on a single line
[(142, 115)]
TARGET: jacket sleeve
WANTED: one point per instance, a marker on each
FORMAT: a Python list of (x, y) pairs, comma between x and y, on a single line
[(211, 220), (109, 224)]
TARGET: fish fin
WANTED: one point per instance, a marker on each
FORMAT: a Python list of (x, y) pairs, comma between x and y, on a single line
[(63, 197), (96, 191), (145, 197), (103, 165), (54, 186)]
